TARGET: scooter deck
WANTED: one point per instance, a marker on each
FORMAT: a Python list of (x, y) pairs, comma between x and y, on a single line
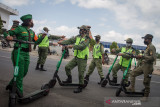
[(69, 84), (33, 96), (134, 93), (114, 84)]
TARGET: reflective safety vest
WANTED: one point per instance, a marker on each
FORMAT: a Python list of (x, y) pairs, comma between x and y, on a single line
[(123, 61), (97, 51), (45, 41), (84, 54)]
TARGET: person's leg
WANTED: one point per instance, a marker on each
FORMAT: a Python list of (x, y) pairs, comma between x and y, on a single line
[(68, 69), (82, 63), (114, 72), (147, 70), (39, 58), (90, 70), (136, 72), (44, 54), (98, 63)]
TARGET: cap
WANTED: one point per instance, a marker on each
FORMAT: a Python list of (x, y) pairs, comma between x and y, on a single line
[(148, 36), (129, 40), (45, 29), (83, 27), (28, 16), (98, 36)]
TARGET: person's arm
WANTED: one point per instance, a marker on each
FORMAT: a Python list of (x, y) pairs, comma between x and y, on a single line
[(152, 56), (83, 45), (102, 52), (69, 41), (54, 37), (11, 32)]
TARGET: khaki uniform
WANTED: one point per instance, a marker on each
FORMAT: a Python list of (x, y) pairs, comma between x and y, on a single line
[(146, 68), (122, 63), (77, 61), (97, 62)]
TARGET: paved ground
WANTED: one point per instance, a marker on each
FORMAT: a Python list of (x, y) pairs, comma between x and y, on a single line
[(92, 96)]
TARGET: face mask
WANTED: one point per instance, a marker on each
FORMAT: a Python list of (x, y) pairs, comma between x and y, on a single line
[(128, 44), (31, 25), (97, 39), (145, 42)]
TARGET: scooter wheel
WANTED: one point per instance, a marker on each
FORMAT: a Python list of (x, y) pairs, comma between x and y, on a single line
[(104, 83), (12, 102), (85, 83), (52, 83), (118, 92)]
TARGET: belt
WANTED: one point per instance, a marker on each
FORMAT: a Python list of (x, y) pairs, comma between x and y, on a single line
[(23, 49)]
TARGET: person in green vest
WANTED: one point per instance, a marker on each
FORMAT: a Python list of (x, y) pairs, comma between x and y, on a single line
[(124, 60), (98, 59), (146, 67), (81, 54), (22, 32), (43, 49)]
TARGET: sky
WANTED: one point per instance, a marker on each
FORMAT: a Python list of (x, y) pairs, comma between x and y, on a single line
[(114, 20)]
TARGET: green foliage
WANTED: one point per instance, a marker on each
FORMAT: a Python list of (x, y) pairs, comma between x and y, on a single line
[(158, 55), (137, 52), (113, 45), (1, 25)]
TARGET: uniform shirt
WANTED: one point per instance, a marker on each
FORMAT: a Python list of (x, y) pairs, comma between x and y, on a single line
[(149, 54), (22, 33)]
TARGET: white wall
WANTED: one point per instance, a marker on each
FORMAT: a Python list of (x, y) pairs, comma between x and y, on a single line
[(5, 16)]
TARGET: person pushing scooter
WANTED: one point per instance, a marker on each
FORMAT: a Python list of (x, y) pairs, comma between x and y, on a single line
[(22, 32), (124, 60)]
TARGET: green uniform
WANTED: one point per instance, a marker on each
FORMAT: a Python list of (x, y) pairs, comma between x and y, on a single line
[(146, 68), (22, 33), (123, 63), (98, 51), (81, 54)]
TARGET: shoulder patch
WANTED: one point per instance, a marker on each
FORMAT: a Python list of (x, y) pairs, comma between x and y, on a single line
[(24, 32)]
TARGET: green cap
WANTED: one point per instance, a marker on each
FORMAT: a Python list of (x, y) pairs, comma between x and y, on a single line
[(45, 29), (129, 40), (148, 36), (98, 36), (83, 27), (28, 16)]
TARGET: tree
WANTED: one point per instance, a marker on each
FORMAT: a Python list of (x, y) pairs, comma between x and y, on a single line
[(1, 25), (158, 55), (113, 45)]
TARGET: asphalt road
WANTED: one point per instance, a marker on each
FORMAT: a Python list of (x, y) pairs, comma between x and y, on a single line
[(92, 96)]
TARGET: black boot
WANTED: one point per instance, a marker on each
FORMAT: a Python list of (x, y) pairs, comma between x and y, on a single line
[(101, 81), (9, 87), (42, 69), (114, 80), (37, 67), (86, 77), (79, 89), (68, 80)]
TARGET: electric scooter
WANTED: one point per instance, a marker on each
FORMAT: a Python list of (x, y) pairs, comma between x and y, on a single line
[(12, 94), (122, 86), (56, 78), (107, 79)]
